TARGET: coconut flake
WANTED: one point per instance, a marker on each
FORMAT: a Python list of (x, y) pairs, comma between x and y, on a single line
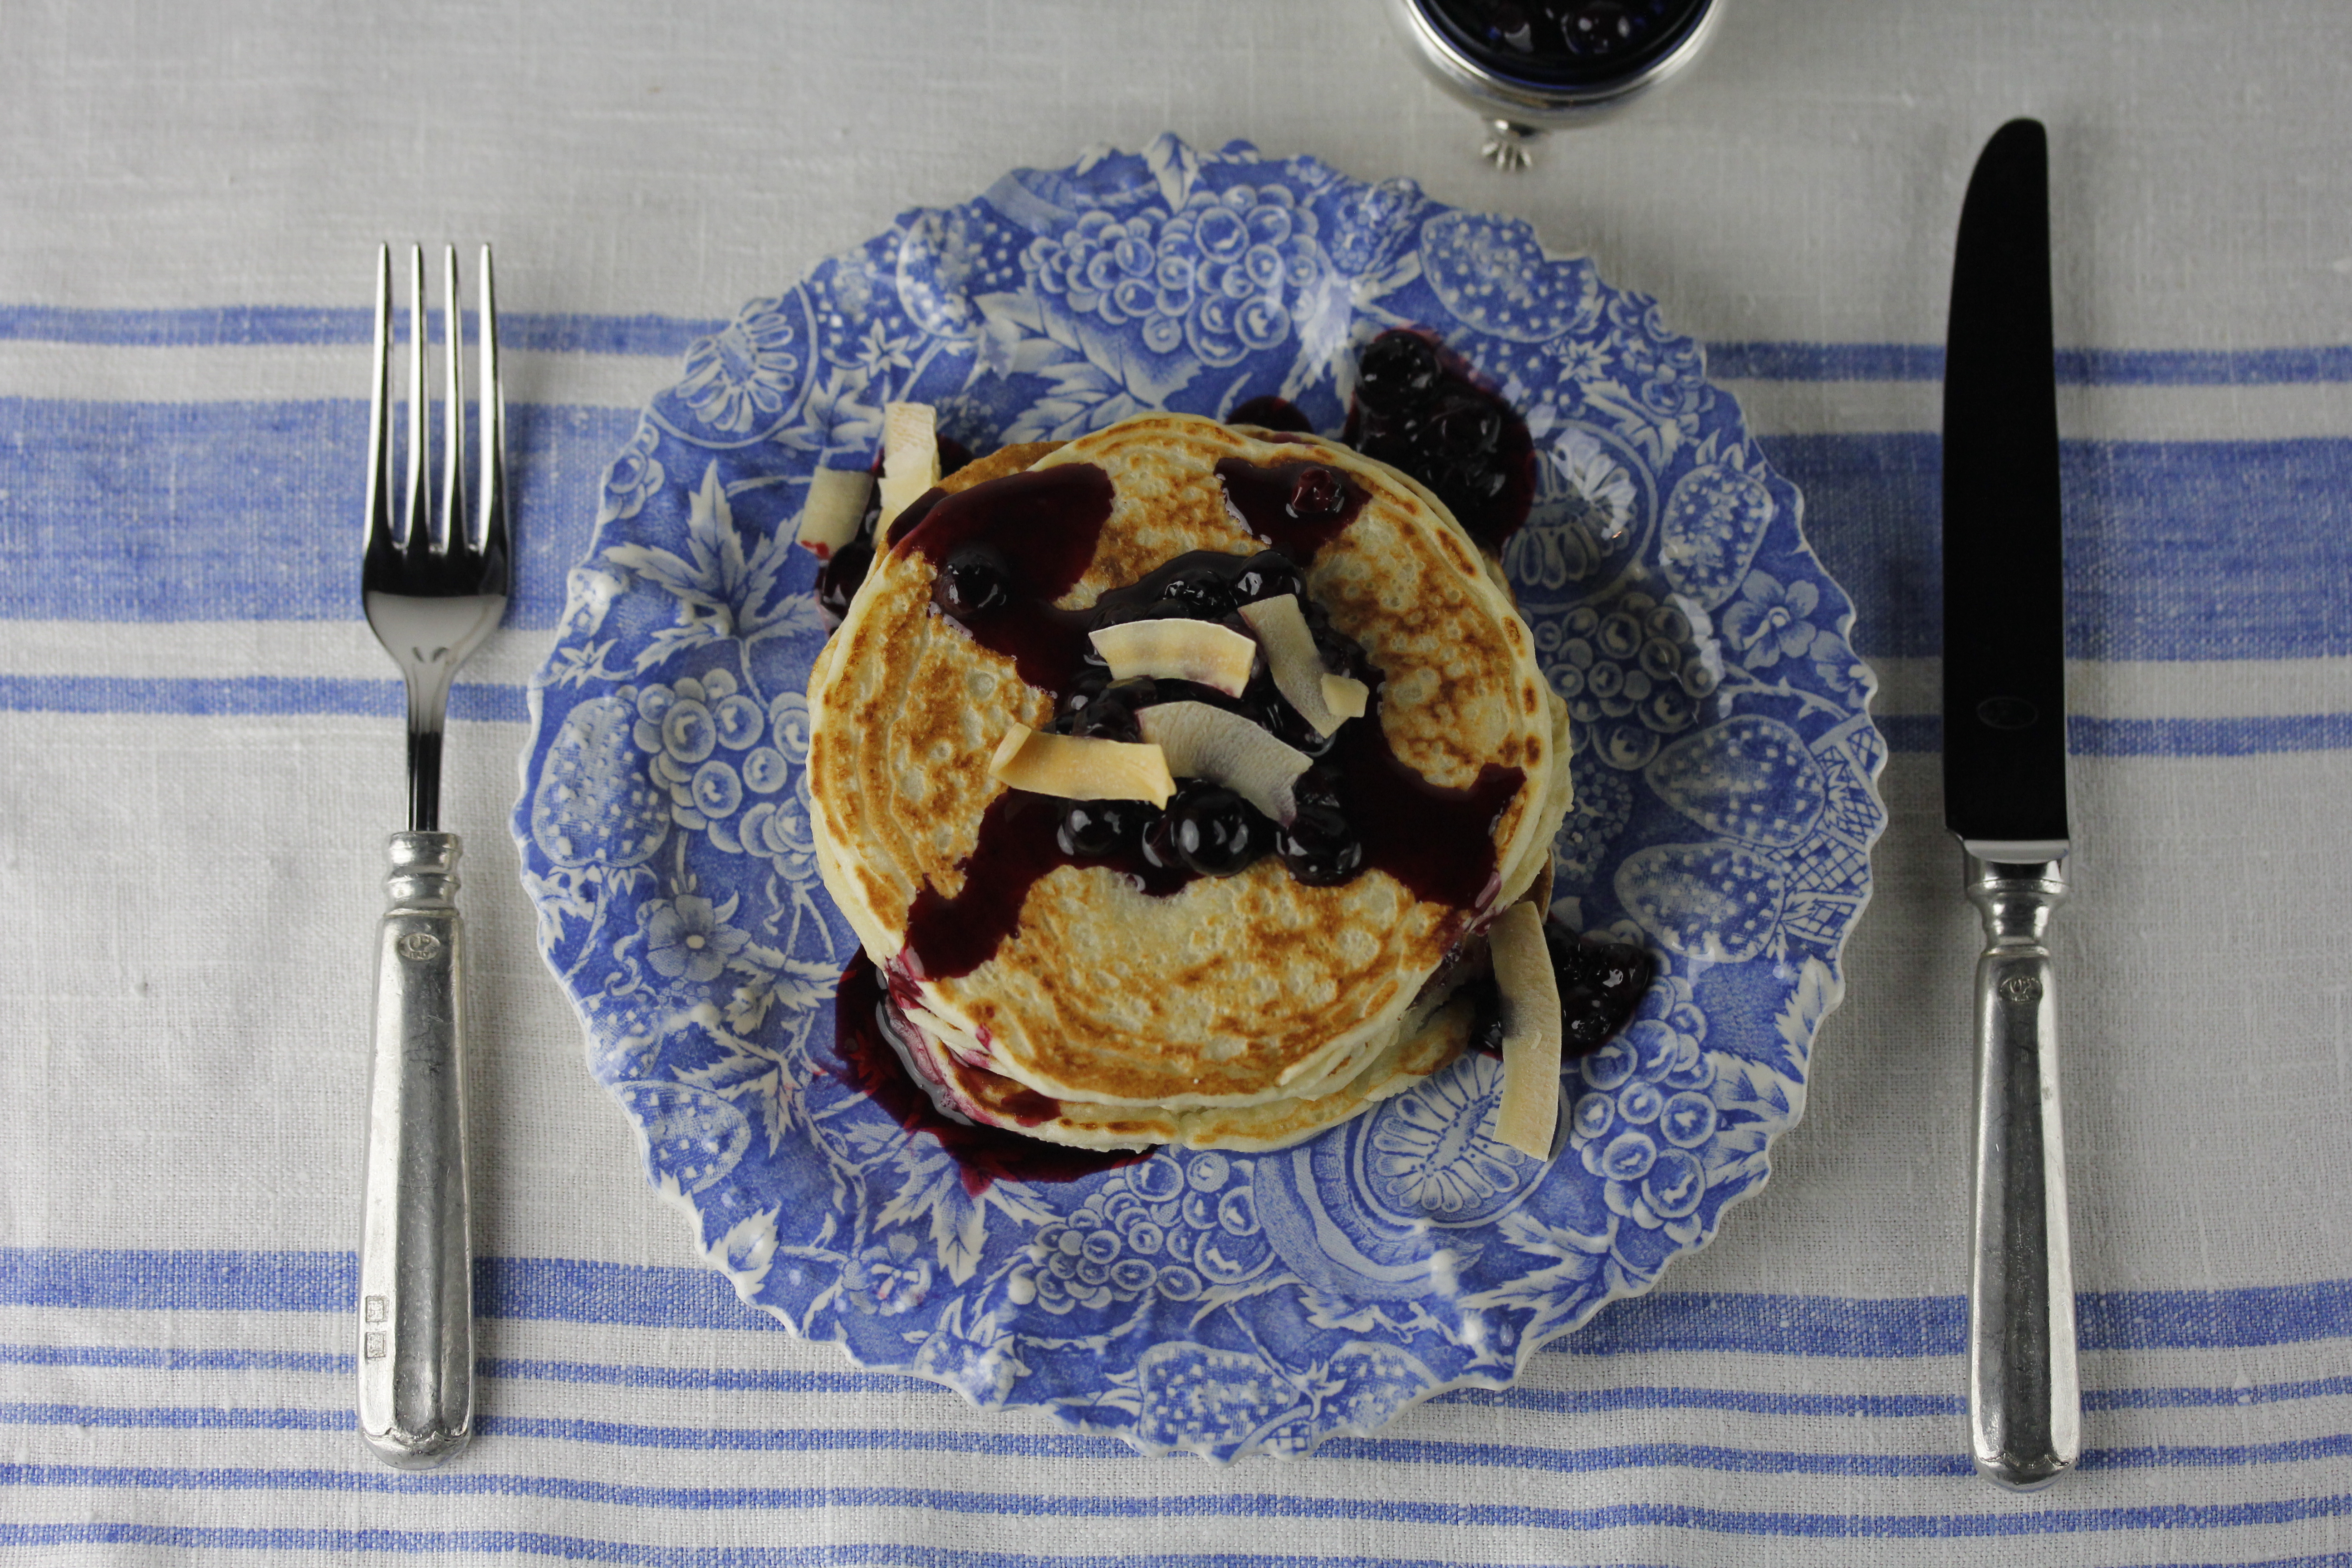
[(1205, 742), (898, 495), (1177, 649), (834, 508), (910, 456), (1297, 664), (1078, 767), (910, 442), (1527, 1116), (1346, 696)]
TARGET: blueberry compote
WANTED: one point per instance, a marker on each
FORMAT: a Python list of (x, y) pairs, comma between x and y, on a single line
[(845, 570), (1417, 408), (1005, 550), (871, 1065), (1298, 506), (1600, 983), (1204, 831), (1272, 413)]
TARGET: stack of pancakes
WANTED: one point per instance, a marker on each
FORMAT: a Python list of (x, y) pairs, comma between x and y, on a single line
[(1242, 1012)]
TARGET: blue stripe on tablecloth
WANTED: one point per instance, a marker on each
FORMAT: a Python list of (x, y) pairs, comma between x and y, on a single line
[(275, 695), (848, 1553), (1712, 1457), (2087, 736), (2175, 550), (277, 326), (794, 1380), (2074, 367), (2212, 550), (246, 326), (250, 511), (1240, 1505), (577, 1549), (1032, 1446), (579, 1291), (176, 1358)]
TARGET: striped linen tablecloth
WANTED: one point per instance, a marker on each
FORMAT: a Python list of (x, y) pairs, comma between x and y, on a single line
[(200, 755)]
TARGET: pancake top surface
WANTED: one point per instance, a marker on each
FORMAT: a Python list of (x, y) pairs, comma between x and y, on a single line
[(1231, 988)]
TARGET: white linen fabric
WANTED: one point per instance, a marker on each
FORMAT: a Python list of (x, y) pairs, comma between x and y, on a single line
[(200, 760)]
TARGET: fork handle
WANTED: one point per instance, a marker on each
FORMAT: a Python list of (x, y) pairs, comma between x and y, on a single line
[(415, 1332)]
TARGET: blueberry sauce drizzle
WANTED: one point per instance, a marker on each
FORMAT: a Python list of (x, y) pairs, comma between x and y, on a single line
[(1439, 842), (1005, 550), (1271, 413), (1600, 983), (1019, 842), (1298, 506), (1418, 407), (985, 1155), (1362, 808)]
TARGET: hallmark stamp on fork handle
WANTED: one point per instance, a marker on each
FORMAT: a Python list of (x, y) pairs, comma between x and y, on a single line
[(432, 596)]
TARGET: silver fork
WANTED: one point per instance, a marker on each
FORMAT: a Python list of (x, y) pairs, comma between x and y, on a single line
[(432, 599)]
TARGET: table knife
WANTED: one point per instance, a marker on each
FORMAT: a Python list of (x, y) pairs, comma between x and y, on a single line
[(2005, 798)]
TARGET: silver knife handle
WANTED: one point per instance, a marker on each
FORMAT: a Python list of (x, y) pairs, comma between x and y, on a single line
[(2024, 1403), (415, 1335)]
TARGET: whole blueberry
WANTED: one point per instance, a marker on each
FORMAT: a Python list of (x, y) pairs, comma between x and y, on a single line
[(975, 578), (1203, 593), (1136, 691), (1273, 712), (1600, 983), (1396, 372), (1092, 829), (1214, 832), (1106, 719), (1268, 574), (1319, 847), (1316, 492), (1468, 425), (1090, 682), (843, 575), (1342, 655), (1318, 787)]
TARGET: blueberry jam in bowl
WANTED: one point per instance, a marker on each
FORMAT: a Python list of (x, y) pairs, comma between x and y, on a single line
[(1529, 66)]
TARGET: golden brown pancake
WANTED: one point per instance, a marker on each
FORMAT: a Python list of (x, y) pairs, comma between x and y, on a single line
[(1242, 1011)]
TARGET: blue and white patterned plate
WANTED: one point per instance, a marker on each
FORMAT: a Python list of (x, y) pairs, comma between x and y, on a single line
[(1218, 1303)]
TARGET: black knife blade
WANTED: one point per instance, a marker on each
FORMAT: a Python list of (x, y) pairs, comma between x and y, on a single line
[(2004, 588)]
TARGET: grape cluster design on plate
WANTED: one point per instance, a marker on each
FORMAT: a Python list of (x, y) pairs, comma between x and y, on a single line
[(1632, 677), (1223, 275), (1177, 1227)]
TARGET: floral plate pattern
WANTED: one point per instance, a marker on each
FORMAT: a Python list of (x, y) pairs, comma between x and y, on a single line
[(1216, 1303)]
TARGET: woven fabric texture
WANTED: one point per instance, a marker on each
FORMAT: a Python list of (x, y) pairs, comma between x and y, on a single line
[(200, 755)]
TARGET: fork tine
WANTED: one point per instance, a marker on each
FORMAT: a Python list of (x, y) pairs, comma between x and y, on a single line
[(491, 392), (457, 526), (379, 460), (417, 535)]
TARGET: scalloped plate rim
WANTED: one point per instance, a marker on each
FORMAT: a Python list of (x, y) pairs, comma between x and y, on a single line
[(1832, 997)]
